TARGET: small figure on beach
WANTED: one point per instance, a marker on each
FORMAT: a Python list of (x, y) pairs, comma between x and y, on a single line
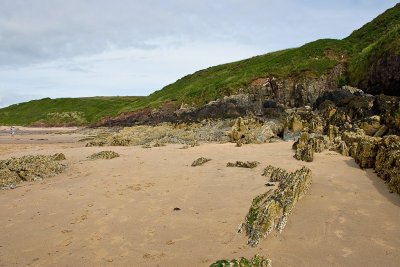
[(12, 131)]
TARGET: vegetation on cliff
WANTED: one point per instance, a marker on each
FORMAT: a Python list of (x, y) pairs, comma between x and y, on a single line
[(64, 111)]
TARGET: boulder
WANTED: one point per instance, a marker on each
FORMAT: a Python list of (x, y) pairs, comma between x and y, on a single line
[(200, 161)]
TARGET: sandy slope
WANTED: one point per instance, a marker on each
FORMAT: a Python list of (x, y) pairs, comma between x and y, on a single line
[(119, 212)]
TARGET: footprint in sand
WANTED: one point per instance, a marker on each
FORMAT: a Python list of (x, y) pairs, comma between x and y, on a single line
[(96, 236), (339, 234), (153, 256), (79, 219), (346, 252), (170, 242), (123, 219), (382, 243), (66, 231), (136, 187), (66, 242)]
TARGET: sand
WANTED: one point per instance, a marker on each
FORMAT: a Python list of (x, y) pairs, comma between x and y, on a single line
[(120, 212)]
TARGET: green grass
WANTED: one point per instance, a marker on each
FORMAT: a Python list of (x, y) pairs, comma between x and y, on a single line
[(374, 30), (89, 110), (360, 62), (359, 50)]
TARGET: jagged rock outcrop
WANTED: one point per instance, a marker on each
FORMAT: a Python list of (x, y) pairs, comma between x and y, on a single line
[(253, 131), (387, 163), (256, 261), (307, 144), (270, 210), (28, 168), (240, 105), (392, 117), (292, 92)]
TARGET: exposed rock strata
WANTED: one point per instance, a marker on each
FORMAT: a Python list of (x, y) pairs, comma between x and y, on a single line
[(270, 210)]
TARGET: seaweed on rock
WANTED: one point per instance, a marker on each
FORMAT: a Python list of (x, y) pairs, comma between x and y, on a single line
[(256, 261), (243, 164), (200, 161), (29, 168), (271, 209), (104, 155)]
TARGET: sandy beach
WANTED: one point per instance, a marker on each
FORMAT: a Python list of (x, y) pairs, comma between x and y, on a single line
[(120, 212)]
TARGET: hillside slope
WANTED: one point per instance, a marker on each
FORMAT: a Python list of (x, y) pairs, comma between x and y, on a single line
[(64, 111), (369, 58)]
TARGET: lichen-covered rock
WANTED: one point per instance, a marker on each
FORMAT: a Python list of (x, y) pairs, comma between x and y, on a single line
[(252, 131), (166, 133), (59, 157), (28, 168), (371, 125), (256, 261), (387, 164), (306, 145), (333, 132), (381, 131), (104, 155), (392, 117), (270, 210), (243, 164), (366, 151), (200, 161), (293, 126)]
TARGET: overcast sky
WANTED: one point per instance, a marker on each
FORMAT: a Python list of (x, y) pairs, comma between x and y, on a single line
[(59, 48)]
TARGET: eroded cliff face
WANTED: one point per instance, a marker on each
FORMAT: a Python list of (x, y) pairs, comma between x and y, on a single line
[(266, 97), (292, 92), (383, 76)]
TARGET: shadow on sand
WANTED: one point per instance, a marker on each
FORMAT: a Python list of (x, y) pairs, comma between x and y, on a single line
[(378, 183)]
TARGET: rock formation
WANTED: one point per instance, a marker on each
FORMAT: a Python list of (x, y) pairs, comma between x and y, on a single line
[(29, 168), (307, 144), (104, 155), (270, 210), (253, 131), (200, 161), (242, 164)]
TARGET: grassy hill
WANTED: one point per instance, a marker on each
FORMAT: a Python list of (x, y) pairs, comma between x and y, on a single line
[(359, 50), (67, 111)]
